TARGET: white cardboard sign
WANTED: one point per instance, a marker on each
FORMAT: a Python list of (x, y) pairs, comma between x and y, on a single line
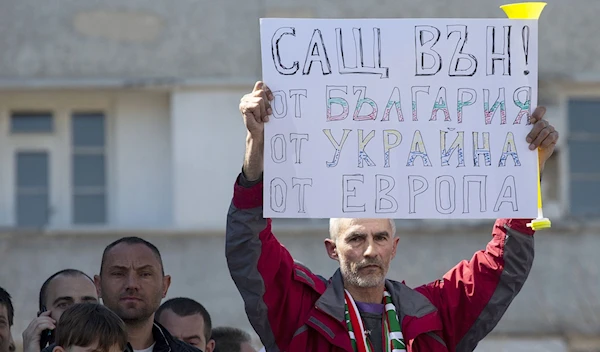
[(400, 118)]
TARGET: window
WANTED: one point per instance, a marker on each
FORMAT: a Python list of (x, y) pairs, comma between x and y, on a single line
[(89, 169), (32, 194), (584, 163), (31, 122)]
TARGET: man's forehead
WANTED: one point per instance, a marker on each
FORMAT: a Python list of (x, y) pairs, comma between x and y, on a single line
[(190, 320), (370, 225), (70, 286), (137, 253)]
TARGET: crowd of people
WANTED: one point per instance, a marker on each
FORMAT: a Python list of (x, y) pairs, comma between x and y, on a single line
[(131, 318), (291, 309)]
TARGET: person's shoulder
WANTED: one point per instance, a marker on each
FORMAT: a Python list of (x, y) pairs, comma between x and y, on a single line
[(318, 282)]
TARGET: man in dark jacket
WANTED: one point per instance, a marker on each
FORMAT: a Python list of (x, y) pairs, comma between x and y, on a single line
[(132, 283), (358, 309)]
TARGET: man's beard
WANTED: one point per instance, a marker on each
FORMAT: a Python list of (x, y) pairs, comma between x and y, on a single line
[(132, 315), (351, 275)]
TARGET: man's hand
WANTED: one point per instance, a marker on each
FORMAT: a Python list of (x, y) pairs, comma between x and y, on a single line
[(255, 108), (32, 335), (542, 136)]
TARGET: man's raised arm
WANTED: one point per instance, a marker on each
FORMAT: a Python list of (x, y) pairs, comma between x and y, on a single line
[(262, 269), (473, 296)]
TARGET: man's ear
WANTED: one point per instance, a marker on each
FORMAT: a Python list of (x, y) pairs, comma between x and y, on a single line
[(58, 349), (331, 248), (97, 282), (210, 346), (395, 248), (166, 284)]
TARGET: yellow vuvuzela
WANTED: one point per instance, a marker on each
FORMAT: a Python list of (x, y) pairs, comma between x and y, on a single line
[(530, 11)]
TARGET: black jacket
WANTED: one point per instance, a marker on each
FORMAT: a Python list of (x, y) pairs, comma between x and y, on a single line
[(164, 342)]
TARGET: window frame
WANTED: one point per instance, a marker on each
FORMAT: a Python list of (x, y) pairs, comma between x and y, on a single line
[(87, 151), (576, 94), (62, 105), (13, 112), (564, 93), (18, 190)]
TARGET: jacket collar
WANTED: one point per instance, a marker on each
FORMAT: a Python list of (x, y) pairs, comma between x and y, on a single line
[(408, 302), (161, 337)]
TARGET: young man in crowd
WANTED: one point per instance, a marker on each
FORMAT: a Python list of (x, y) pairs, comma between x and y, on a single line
[(89, 327), (187, 320), (131, 283), (7, 314), (59, 292)]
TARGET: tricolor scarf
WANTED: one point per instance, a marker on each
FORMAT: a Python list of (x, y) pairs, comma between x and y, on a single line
[(392, 338)]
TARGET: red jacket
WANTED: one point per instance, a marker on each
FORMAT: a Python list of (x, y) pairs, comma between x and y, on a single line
[(294, 310)]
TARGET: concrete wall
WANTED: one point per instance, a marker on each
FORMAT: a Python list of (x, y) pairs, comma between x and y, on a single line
[(219, 40), (142, 174), (208, 137), (560, 299)]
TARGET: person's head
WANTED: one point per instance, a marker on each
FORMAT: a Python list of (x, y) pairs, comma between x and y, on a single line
[(64, 289), (187, 320), (7, 314), (364, 248), (89, 327), (132, 281), (229, 339)]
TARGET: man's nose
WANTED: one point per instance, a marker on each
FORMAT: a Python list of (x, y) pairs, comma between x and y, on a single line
[(370, 250), (132, 281)]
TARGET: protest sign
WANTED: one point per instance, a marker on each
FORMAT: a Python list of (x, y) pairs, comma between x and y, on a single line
[(400, 118)]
